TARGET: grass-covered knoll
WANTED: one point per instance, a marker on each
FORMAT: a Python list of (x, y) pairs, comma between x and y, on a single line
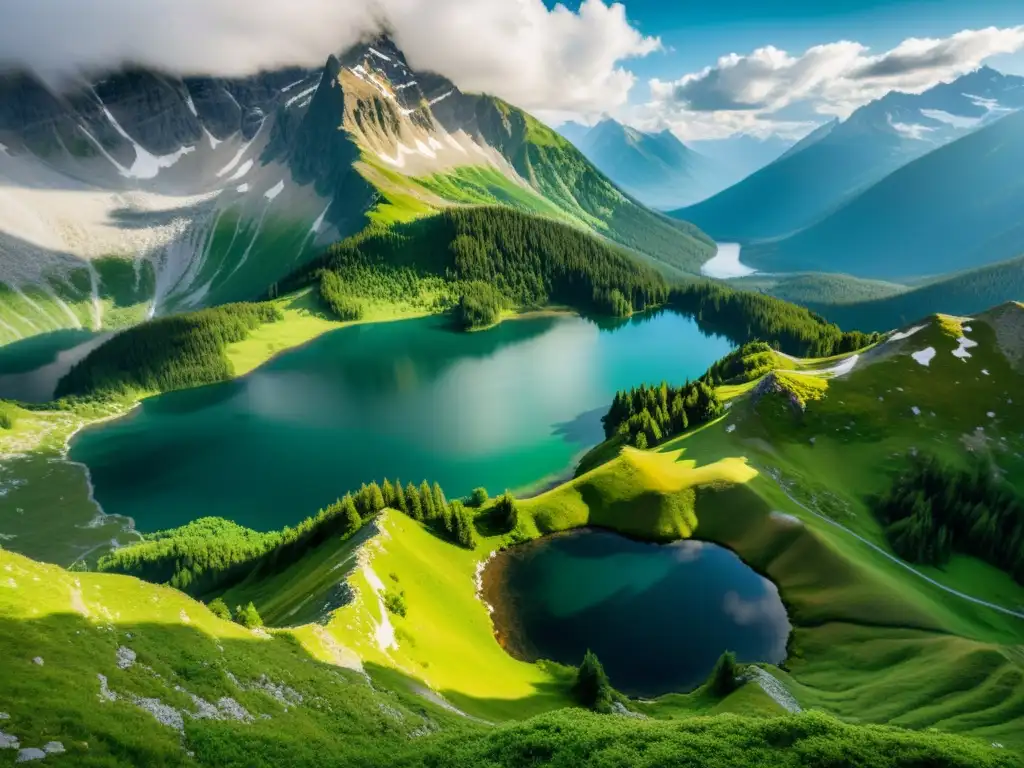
[(168, 353), (211, 554), (134, 674)]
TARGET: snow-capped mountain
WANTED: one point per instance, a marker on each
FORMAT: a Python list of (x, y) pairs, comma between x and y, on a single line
[(842, 159), (143, 193)]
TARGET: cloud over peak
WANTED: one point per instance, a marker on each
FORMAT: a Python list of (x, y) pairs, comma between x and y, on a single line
[(750, 92), (553, 60)]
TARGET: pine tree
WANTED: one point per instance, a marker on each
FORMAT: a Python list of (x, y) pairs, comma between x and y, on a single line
[(248, 616), (440, 502), (388, 492), (220, 609), (375, 498), (352, 518), (427, 502), (412, 499), (724, 677), (506, 513), (592, 688), (400, 500)]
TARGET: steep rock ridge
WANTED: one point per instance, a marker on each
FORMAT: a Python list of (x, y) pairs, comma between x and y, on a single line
[(833, 164), (216, 189), (132, 169)]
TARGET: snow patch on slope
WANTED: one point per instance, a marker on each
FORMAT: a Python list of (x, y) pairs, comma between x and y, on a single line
[(146, 165)]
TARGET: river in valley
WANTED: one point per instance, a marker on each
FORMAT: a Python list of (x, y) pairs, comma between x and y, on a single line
[(511, 407), (658, 616)]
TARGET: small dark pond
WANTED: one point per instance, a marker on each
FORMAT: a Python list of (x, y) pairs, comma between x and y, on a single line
[(658, 616)]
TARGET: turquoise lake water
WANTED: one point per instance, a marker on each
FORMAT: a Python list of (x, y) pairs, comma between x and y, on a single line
[(511, 407)]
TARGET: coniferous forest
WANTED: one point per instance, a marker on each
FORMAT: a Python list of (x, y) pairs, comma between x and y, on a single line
[(527, 261), (171, 352), (647, 415), (211, 554), (932, 511)]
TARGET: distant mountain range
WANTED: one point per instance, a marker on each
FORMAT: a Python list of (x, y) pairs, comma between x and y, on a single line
[(958, 207), (841, 159), (663, 172), (145, 193)]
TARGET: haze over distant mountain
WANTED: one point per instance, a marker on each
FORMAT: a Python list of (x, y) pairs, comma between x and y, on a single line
[(838, 162), (144, 193), (958, 207), (656, 168), (662, 171), (742, 154)]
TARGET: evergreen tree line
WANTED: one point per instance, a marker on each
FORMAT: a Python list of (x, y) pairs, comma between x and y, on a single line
[(743, 316), (647, 415), (168, 353), (211, 554), (933, 510), (529, 261), (339, 298), (479, 305)]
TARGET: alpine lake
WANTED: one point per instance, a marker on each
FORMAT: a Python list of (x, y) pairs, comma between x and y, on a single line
[(513, 407)]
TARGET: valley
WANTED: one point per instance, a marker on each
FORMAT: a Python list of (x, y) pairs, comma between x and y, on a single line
[(351, 418)]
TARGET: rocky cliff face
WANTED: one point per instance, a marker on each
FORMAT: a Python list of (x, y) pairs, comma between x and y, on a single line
[(222, 187)]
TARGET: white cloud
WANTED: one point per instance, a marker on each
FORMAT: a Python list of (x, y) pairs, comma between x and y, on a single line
[(555, 60), (745, 92)]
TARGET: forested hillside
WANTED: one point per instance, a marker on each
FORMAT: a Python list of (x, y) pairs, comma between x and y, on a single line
[(167, 353), (744, 316), (961, 294), (560, 172), (530, 261)]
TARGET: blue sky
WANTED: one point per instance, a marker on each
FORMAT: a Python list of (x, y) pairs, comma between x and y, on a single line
[(584, 60), (697, 32), (783, 89)]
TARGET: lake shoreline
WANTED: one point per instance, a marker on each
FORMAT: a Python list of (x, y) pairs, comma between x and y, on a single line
[(515, 408), (758, 632)]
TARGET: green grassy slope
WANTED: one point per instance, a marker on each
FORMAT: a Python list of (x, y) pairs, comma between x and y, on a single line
[(121, 673), (123, 291), (873, 642), (560, 173)]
